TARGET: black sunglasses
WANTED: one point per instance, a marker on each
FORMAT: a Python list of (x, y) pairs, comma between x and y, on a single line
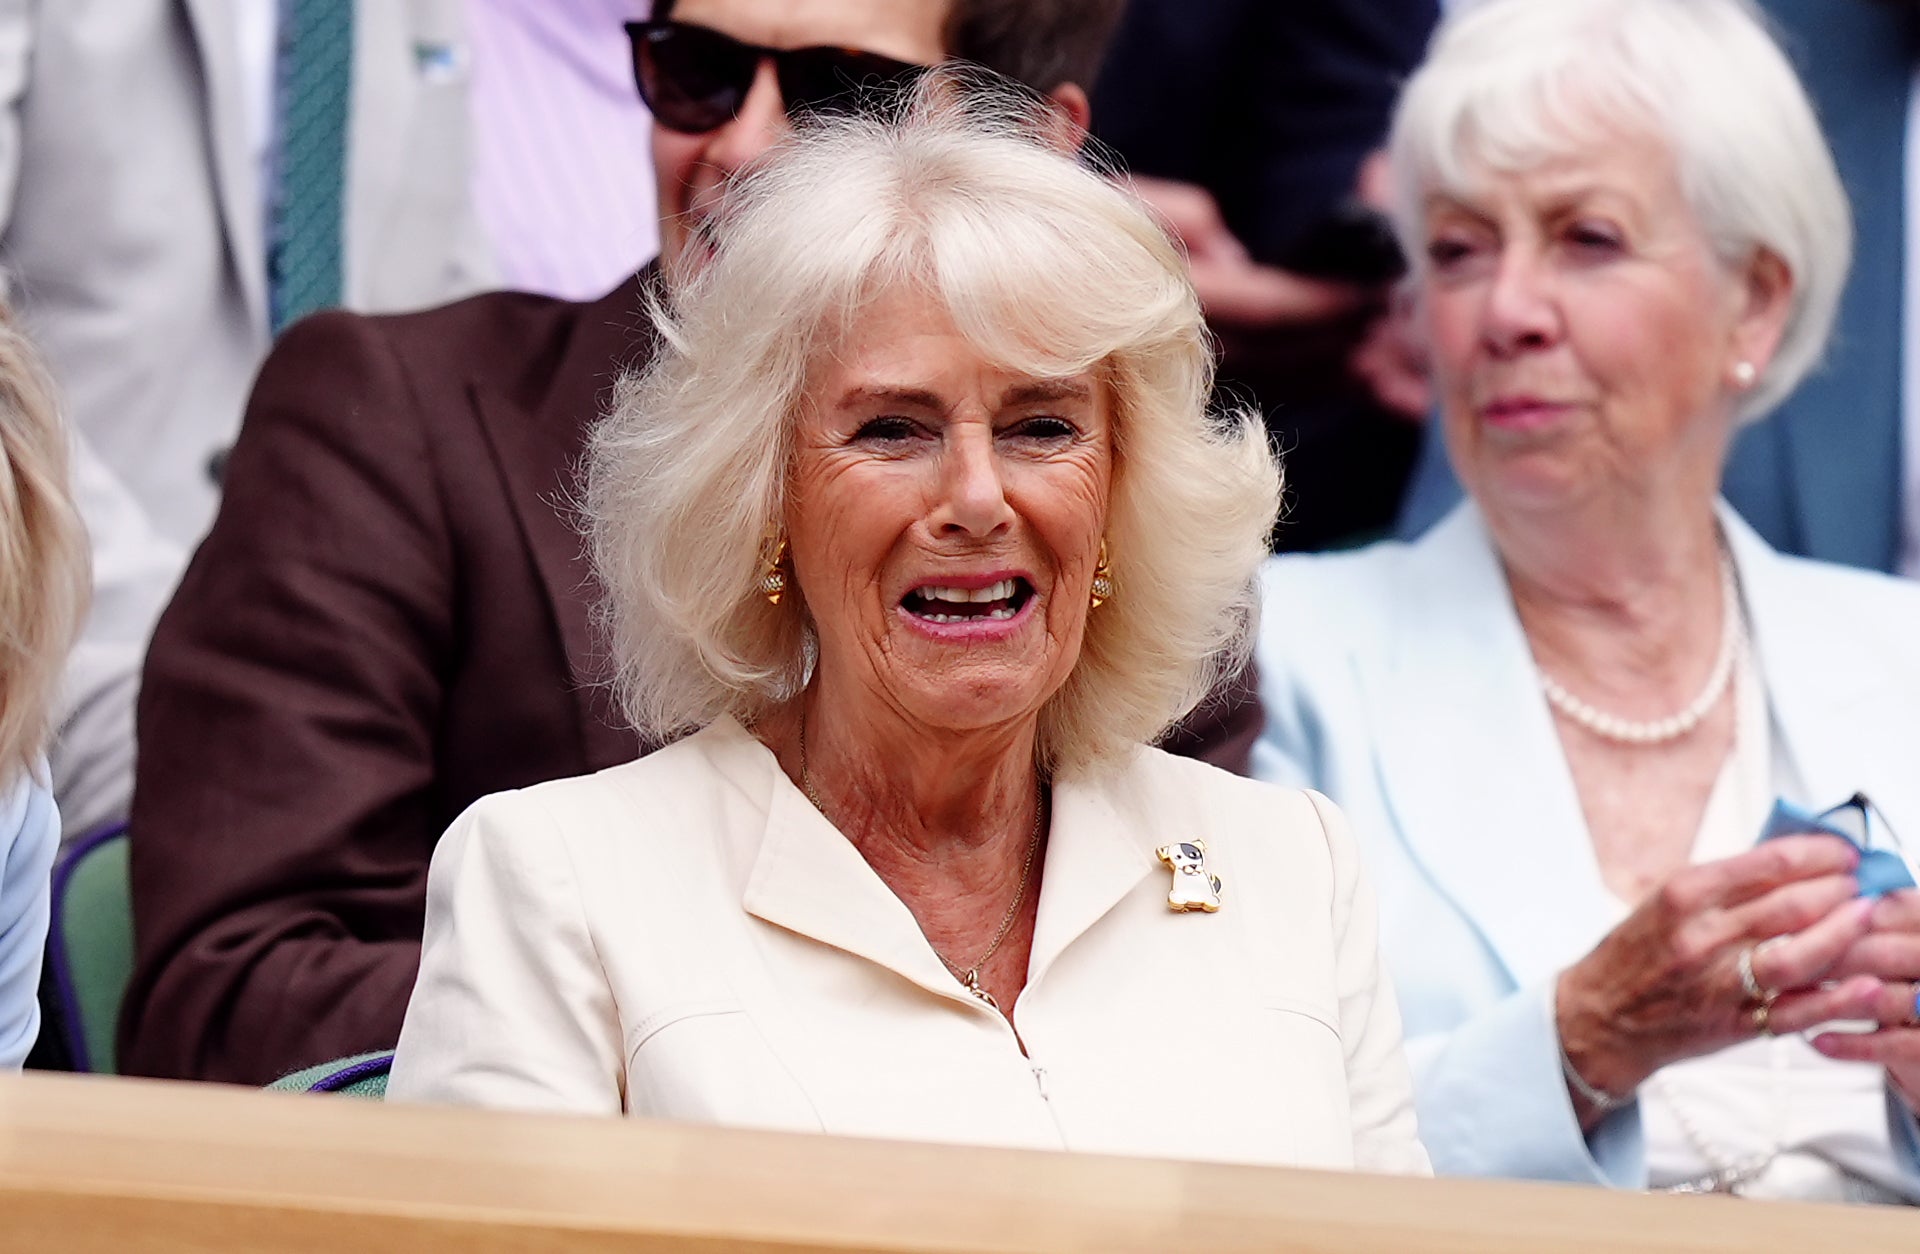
[(695, 79)]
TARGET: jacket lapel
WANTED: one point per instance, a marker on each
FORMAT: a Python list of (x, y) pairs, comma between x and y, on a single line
[(1470, 761), (216, 43), (1098, 851), (538, 442), (809, 879), (1836, 711)]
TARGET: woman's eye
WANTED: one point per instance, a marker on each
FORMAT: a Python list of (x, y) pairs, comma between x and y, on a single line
[(889, 429), (1445, 252), (1594, 238), (1046, 428)]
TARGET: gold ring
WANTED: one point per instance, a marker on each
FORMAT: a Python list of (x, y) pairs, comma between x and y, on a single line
[(1763, 1018)]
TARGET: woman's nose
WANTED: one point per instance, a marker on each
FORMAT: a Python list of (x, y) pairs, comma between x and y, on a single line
[(973, 488), (1521, 312)]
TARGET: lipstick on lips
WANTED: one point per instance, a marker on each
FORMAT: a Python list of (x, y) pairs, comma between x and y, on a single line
[(1520, 411)]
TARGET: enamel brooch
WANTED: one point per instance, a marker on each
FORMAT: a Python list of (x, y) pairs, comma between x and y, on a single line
[(1194, 887)]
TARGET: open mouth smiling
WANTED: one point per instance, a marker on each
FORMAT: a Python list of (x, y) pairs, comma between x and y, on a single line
[(945, 603)]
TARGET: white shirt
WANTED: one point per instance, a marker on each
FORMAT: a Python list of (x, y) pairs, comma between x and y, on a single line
[(1805, 1122), (686, 936)]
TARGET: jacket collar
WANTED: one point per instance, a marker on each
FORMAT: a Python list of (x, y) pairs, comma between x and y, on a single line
[(1469, 760), (1835, 708), (235, 181), (808, 878), (538, 439)]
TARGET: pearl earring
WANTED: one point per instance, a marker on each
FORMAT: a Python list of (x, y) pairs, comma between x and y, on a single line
[(1744, 374)]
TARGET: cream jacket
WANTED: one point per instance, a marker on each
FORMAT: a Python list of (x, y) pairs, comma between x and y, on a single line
[(686, 936)]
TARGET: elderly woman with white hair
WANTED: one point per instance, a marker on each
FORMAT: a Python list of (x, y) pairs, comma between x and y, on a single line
[(919, 525), (1563, 718)]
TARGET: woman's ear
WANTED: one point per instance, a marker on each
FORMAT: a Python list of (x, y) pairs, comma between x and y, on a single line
[(1766, 298)]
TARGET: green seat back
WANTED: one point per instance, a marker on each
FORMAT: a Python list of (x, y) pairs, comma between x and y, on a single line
[(91, 945)]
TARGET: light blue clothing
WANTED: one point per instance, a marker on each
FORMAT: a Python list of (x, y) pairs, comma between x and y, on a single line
[(1397, 680), (29, 835)]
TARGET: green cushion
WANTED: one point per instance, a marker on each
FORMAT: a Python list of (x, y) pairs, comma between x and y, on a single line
[(361, 1075), (95, 919)]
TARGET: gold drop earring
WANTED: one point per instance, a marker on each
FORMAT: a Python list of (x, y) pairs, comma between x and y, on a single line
[(1101, 590), (773, 580)]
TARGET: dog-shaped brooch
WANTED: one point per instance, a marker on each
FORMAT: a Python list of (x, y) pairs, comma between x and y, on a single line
[(1194, 888)]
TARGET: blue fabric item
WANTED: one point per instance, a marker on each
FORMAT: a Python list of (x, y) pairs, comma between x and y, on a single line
[(1881, 871), (29, 838)]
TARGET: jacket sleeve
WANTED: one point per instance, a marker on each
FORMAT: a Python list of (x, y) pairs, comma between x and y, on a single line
[(1380, 1089), (26, 866), (1493, 1102), (285, 806), (512, 1009)]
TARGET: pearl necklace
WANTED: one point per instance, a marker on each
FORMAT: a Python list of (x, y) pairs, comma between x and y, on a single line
[(1662, 731)]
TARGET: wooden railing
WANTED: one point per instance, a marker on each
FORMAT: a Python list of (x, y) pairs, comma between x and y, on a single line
[(95, 1164)]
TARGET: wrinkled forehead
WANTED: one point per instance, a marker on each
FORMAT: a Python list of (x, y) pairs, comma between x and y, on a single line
[(993, 321)]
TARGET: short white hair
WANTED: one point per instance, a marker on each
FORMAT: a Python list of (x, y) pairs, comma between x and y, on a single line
[(1048, 269), (1510, 84)]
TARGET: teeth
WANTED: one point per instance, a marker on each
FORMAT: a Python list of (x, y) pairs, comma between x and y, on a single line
[(961, 596), (999, 613)]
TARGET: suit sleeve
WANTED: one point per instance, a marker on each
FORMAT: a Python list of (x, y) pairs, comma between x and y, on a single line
[(1379, 1087), (512, 1009), (285, 810), (26, 867)]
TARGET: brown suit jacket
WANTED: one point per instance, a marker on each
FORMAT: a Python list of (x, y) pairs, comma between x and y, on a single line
[(389, 620)]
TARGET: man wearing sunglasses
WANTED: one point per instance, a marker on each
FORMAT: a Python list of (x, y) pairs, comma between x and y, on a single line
[(390, 617)]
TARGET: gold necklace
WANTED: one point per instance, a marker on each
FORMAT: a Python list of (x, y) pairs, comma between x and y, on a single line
[(969, 976)]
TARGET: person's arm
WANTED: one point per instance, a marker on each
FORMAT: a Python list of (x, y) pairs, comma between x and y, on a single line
[(286, 803), (1494, 1102), (26, 867), (1380, 1090), (512, 1009)]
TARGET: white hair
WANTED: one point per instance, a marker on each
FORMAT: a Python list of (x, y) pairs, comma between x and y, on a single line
[(1048, 270), (1510, 84)]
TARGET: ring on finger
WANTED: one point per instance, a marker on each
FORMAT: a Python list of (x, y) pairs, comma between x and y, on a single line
[(1763, 1018), (1913, 1019), (1749, 982)]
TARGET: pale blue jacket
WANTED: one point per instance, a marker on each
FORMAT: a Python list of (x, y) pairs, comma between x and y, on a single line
[(1397, 681), (29, 835)]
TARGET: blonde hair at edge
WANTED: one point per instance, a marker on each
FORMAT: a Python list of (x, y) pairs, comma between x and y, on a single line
[(1048, 269), (1509, 85), (44, 578)]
